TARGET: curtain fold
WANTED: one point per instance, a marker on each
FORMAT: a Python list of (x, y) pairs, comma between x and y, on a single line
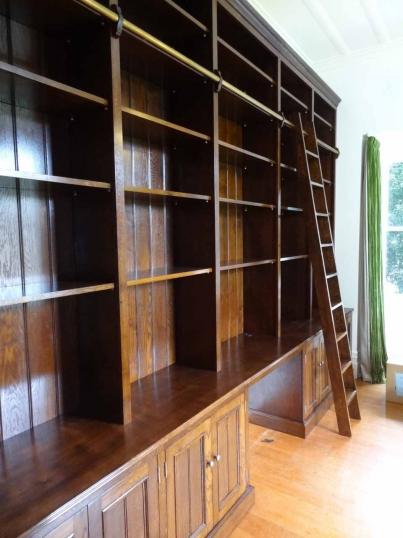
[(371, 332), (363, 341)]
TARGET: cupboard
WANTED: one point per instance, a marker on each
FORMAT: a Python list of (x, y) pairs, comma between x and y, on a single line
[(294, 397)]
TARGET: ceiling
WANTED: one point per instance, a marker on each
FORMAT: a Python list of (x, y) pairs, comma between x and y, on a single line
[(324, 31)]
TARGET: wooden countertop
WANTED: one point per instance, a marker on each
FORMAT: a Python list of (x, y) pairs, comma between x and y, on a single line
[(44, 469)]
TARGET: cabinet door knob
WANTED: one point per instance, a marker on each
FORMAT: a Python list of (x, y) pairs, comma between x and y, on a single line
[(211, 464), (217, 457)]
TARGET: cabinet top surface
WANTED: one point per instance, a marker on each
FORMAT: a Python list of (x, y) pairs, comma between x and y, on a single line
[(59, 460)]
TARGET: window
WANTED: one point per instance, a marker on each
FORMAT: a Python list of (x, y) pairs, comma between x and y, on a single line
[(392, 173)]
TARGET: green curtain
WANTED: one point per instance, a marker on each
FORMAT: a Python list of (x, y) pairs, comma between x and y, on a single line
[(377, 347)]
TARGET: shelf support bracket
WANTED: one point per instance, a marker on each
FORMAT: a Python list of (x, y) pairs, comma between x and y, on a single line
[(119, 24), (283, 120), (218, 86)]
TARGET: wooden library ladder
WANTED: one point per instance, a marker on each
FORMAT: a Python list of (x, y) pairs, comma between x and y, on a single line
[(321, 252)]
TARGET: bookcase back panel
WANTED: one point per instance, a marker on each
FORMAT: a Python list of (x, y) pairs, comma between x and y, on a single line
[(28, 372), (232, 303), (146, 238), (151, 328), (231, 239)]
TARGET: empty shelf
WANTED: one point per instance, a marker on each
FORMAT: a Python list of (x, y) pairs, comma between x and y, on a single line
[(292, 209), (292, 258), (238, 56), (247, 203), (240, 264), (239, 155), (26, 89), (54, 179), (288, 167), (13, 295), (322, 119), (141, 121), (295, 99), (327, 147), (163, 274), (165, 193)]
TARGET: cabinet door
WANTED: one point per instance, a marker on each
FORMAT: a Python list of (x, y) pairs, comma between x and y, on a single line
[(229, 456), (74, 527), (309, 374), (188, 486), (130, 509), (322, 373)]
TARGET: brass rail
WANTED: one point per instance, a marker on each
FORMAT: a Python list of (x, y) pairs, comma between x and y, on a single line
[(145, 36)]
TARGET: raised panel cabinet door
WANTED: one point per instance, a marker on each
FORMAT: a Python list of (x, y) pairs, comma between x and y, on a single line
[(322, 372), (309, 376), (229, 455), (74, 527), (130, 509), (188, 484)]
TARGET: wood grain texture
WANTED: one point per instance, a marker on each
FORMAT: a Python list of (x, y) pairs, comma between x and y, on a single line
[(50, 234), (72, 451), (189, 479), (310, 475), (149, 236)]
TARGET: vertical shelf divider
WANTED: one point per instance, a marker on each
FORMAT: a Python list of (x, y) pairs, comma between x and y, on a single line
[(216, 194), (278, 209), (119, 200)]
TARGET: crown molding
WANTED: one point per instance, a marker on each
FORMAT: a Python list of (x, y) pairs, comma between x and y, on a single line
[(249, 16)]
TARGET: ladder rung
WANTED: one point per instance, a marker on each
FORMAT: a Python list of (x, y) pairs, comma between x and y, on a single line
[(345, 366), (317, 184), (324, 269), (350, 395), (340, 336)]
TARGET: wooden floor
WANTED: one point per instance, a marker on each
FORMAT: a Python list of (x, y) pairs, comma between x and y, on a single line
[(327, 485)]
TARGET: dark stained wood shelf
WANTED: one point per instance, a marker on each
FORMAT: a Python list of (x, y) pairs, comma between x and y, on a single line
[(154, 221), (237, 155), (242, 264), (327, 147), (164, 274), (9, 295), (26, 89), (17, 174), (295, 99), (242, 111), (247, 203), (288, 167), (323, 120), (293, 258), (62, 458), (291, 209), (179, 9), (166, 193), (143, 122), (238, 56)]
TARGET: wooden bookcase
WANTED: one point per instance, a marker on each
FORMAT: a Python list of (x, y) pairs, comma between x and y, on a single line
[(147, 218), (150, 220)]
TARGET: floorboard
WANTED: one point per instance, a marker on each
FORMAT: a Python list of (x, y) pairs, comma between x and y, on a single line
[(328, 485)]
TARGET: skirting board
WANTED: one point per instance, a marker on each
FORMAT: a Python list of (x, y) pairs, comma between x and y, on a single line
[(292, 427), (235, 515)]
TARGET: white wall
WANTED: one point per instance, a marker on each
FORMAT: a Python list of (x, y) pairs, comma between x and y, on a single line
[(371, 88)]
